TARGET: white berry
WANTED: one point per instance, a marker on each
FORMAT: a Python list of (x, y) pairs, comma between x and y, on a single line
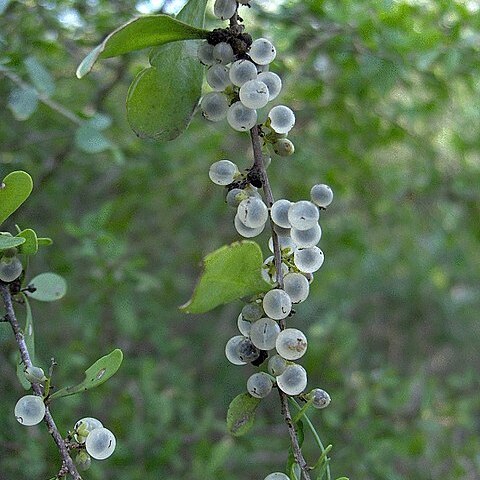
[(293, 380), (29, 410), (291, 344), (100, 443), (277, 304)]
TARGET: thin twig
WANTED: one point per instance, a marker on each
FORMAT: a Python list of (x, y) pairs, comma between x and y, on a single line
[(267, 189), (25, 356), (42, 97)]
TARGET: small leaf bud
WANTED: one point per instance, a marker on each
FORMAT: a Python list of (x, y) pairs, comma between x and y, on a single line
[(35, 374), (83, 460)]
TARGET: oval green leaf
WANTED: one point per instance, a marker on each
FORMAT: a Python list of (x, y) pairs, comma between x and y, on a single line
[(229, 273), (91, 140), (140, 33), (23, 101), (40, 76), (7, 242), (162, 98), (14, 190), (241, 414), (30, 245), (95, 375), (49, 287)]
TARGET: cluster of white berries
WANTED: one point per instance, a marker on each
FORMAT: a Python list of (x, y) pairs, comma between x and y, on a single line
[(296, 224), (258, 322), (99, 442), (242, 84)]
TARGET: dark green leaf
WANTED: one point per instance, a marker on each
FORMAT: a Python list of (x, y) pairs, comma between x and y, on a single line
[(28, 335), (7, 242), (22, 102), (139, 33), (97, 374), (40, 76), (241, 414), (162, 98), (229, 273), (30, 246), (14, 190), (49, 287)]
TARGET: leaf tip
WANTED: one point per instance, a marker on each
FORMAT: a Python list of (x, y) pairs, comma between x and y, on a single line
[(89, 61)]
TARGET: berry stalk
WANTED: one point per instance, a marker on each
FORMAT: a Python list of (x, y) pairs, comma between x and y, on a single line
[(67, 462)]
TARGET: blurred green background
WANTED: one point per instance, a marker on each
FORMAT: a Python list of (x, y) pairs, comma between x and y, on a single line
[(386, 95)]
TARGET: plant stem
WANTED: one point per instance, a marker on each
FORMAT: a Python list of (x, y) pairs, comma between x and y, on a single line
[(314, 433), (25, 356), (267, 189)]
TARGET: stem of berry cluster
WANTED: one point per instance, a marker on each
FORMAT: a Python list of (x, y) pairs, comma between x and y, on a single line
[(67, 462), (259, 166)]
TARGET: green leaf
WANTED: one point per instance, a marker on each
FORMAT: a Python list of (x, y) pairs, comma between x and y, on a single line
[(44, 241), (22, 102), (14, 190), (7, 242), (49, 287), (28, 335), (140, 33), (229, 273), (40, 76), (91, 140), (162, 98), (30, 246), (241, 414), (97, 374), (99, 121)]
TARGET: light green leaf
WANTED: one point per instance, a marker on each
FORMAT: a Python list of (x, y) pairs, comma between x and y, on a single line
[(49, 287), (231, 272), (28, 335), (40, 76), (14, 190), (99, 121), (44, 241), (30, 245), (22, 102), (241, 414), (97, 374), (91, 140), (162, 98), (139, 33), (7, 242)]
